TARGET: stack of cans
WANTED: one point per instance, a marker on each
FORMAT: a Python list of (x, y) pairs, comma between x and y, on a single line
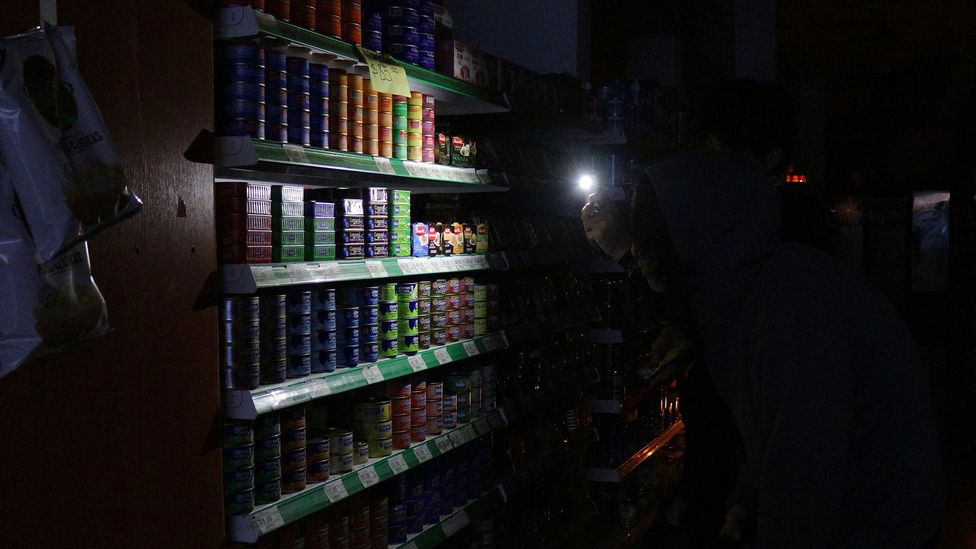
[(298, 85), (275, 96), (409, 318), (320, 238), (328, 19), (299, 334), (438, 312), (240, 351), (377, 223), (352, 21), (359, 521), (339, 109), (435, 407), (371, 118), (385, 124), (352, 224), (303, 13), (348, 323), (407, 515), (289, 223), (240, 90), (355, 112), (426, 45), (274, 338), (389, 316), (460, 309), (399, 392), (424, 321), (340, 449), (449, 408), (379, 513), (373, 423), (477, 386), (400, 126), (488, 396), (267, 455), (244, 222), (402, 30), (324, 326), (319, 459), (294, 456), (339, 531), (432, 496), (480, 309), (369, 330), (415, 134), (360, 452), (373, 24), (238, 453), (418, 410), (399, 224), (315, 530), (429, 153), (318, 95), (458, 385)]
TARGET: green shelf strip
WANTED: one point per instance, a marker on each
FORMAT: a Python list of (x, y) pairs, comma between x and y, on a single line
[(247, 405), (436, 534), (293, 507), (242, 278)]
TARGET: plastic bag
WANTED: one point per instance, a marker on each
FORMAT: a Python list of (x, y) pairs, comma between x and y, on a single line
[(61, 160), (45, 307)]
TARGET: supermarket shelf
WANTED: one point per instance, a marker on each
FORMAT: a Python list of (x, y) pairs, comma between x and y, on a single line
[(246, 405), (618, 474), (249, 527), (244, 278), (670, 368), (454, 97), (435, 534), (245, 159), (602, 336), (528, 333)]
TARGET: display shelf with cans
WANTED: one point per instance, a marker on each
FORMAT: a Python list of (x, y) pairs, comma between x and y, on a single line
[(607, 474), (241, 158), (244, 278), (436, 534), (454, 96), (245, 405), (248, 527)]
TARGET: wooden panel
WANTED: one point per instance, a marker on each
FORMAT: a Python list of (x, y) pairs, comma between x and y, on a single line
[(114, 443)]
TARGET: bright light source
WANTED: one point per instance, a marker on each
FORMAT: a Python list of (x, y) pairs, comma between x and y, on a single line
[(586, 182)]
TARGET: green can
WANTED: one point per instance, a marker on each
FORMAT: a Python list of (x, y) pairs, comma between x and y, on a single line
[(400, 151), (400, 210), (326, 252), (388, 292), (321, 223), (317, 238), (408, 345), (290, 238), (238, 458), (288, 254), (389, 310), (389, 329), (401, 109), (400, 197), (288, 224), (401, 237)]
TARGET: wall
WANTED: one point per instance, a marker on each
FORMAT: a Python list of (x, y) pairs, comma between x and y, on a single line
[(114, 443)]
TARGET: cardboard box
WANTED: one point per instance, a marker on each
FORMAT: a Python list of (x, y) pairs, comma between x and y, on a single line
[(460, 61)]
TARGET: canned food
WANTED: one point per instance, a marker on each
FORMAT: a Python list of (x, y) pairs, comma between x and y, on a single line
[(268, 448), (360, 453), (324, 340), (438, 321), (418, 433), (324, 320), (449, 420), (401, 405), (372, 409), (237, 458), (293, 481), (350, 222), (237, 434), (438, 304), (292, 418), (346, 335), (454, 301), (409, 326), (340, 441), (299, 324), (298, 366), (369, 430), (418, 400), (468, 330), (318, 471), (348, 356), (389, 348), (454, 333), (348, 316), (369, 314), (424, 306), (480, 309), (438, 336), (409, 344), (266, 425), (299, 344), (293, 439), (317, 448), (267, 470), (418, 416), (239, 503), (401, 439), (435, 408), (268, 491), (388, 310), (406, 291), (324, 300), (434, 425), (408, 309), (424, 340), (389, 329), (454, 318), (400, 422), (293, 459), (380, 447), (358, 297), (424, 323), (239, 480)]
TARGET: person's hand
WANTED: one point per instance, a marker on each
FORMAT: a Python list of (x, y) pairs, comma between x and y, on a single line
[(735, 523), (605, 226)]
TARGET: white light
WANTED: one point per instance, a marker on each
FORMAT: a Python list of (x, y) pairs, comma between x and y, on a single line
[(586, 182)]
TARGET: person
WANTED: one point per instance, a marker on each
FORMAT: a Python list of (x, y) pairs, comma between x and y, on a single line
[(820, 373)]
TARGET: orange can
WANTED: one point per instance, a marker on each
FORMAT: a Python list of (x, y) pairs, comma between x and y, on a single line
[(352, 32), (371, 146), (386, 104)]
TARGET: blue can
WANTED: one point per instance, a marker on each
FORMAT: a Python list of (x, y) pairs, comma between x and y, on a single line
[(298, 84), (275, 60), (297, 102), (239, 480), (276, 80), (324, 320), (323, 361), (372, 20), (300, 302), (268, 448), (299, 135), (276, 132), (369, 314), (426, 42), (238, 108), (240, 72), (299, 344), (348, 356), (299, 366), (427, 24), (407, 52), (432, 482), (432, 512), (369, 333), (402, 34), (448, 502), (248, 91), (427, 60), (348, 317), (348, 333), (239, 53), (318, 71), (275, 114), (358, 297), (299, 324), (324, 299), (325, 340), (236, 126), (369, 351), (318, 123), (318, 138), (267, 470), (273, 328), (297, 66), (398, 512), (298, 118), (400, 15), (248, 354)]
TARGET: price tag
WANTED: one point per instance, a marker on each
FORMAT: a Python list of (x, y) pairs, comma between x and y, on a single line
[(368, 476), (423, 453), (376, 269), (372, 374), (469, 433), (443, 444), (335, 491), (299, 273), (491, 343), (454, 523), (318, 388), (386, 75), (416, 363), (481, 262), (470, 348), (457, 438), (295, 153), (331, 270), (268, 520), (261, 273), (407, 266), (398, 464), (384, 165), (442, 356)]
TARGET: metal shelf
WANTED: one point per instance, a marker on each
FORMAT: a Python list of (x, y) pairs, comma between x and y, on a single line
[(454, 97), (435, 534), (670, 368), (245, 159), (244, 278), (245, 405), (249, 527), (616, 475)]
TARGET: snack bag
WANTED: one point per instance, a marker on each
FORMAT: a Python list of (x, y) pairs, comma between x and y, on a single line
[(48, 306), (62, 164)]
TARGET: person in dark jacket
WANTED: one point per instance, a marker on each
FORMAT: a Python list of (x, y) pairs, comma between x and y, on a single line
[(822, 376)]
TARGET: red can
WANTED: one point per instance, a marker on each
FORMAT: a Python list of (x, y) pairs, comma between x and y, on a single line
[(329, 7), (280, 9), (401, 439), (397, 388), (418, 417), (401, 422), (352, 12), (418, 399), (379, 510), (352, 32), (401, 405), (418, 433), (434, 425)]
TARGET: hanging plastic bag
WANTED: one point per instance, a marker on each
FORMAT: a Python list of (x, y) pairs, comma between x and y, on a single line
[(61, 160), (46, 307)]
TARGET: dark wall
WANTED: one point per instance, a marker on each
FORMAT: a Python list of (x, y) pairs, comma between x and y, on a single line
[(111, 444)]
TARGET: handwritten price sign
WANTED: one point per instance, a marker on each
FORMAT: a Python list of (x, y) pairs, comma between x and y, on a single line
[(385, 75)]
